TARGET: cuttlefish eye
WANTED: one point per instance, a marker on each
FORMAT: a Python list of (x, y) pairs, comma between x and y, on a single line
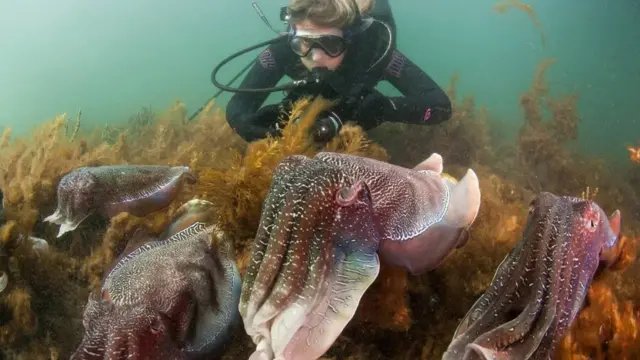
[(591, 219), (156, 327), (348, 195)]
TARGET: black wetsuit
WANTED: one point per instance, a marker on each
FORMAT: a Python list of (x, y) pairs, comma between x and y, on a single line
[(424, 102)]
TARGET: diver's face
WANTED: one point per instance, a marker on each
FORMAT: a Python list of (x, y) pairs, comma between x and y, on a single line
[(317, 57)]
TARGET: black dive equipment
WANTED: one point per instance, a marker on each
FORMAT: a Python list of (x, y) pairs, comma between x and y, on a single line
[(332, 45), (281, 36), (283, 87), (244, 69), (326, 127), (360, 25), (329, 124)]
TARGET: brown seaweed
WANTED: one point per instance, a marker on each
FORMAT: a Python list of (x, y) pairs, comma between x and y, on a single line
[(634, 153), (505, 5)]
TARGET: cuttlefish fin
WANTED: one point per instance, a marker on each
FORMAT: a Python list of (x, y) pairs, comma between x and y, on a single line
[(319, 326), (140, 237), (484, 353), (611, 251), (150, 189), (190, 212), (615, 221), (426, 251), (212, 327), (464, 203), (432, 163)]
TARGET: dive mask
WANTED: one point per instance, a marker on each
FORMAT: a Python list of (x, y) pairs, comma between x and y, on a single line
[(333, 45)]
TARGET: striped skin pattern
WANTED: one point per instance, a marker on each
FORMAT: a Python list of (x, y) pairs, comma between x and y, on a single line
[(541, 285), (173, 297)]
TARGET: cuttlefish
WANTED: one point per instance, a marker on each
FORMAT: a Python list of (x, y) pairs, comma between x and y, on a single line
[(109, 190), (4, 271), (541, 285), (323, 223), (173, 297)]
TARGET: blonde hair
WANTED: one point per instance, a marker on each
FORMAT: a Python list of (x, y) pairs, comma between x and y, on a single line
[(329, 13), (366, 5)]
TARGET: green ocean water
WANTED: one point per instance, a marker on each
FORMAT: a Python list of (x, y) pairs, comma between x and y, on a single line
[(110, 58)]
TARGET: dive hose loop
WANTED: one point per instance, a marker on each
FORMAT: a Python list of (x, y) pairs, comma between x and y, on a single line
[(283, 87)]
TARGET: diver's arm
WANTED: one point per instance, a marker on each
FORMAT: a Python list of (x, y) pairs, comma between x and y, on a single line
[(244, 114), (424, 102)]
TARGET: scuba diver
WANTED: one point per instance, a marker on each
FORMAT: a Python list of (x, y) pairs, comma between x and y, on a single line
[(340, 50)]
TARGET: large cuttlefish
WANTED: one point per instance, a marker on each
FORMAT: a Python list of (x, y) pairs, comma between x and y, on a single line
[(324, 222), (540, 286), (137, 189), (174, 297)]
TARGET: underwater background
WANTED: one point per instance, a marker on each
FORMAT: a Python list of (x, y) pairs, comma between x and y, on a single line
[(545, 98)]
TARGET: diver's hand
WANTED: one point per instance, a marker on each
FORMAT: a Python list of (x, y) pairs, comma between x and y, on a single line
[(326, 127), (267, 118), (371, 106)]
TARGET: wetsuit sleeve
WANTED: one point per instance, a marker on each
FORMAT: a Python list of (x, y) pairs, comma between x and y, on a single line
[(244, 114), (424, 102)]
